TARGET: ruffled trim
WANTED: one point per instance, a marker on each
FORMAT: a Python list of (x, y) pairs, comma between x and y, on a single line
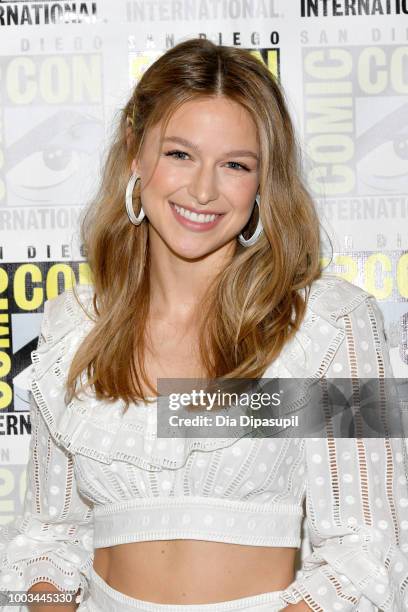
[(102, 431), (28, 559)]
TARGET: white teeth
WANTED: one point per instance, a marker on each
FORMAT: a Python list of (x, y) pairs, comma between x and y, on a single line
[(198, 218)]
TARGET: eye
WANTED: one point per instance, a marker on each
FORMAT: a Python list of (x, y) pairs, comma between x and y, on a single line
[(241, 166), (176, 154)]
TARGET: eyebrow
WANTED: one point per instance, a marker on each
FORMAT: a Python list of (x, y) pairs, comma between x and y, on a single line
[(191, 145)]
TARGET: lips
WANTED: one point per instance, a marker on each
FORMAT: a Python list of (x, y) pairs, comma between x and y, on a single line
[(188, 218), (194, 210)]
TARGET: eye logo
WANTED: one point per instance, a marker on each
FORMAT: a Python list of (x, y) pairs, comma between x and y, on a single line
[(355, 118), (52, 129), (46, 163)]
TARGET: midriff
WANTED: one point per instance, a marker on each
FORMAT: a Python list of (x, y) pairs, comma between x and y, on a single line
[(194, 571)]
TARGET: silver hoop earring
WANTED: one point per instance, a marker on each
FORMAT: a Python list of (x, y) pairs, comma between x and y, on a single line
[(129, 201), (257, 232)]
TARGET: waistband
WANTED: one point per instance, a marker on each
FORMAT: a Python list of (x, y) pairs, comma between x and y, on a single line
[(197, 518), (103, 597)]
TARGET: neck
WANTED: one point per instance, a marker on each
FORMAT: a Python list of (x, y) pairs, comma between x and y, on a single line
[(178, 285)]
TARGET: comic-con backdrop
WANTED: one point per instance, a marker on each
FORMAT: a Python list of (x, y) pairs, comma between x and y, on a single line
[(67, 67)]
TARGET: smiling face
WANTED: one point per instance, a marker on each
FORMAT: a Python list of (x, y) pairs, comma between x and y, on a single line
[(201, 193)]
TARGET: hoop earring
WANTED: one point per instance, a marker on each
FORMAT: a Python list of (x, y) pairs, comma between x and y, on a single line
[(129, 201), (257, 232)]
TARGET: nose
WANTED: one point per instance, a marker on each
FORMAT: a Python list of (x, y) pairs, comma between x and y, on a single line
[(203, 185)]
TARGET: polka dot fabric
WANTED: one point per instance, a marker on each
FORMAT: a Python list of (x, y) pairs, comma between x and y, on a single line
[(52, 540), (98, 477)]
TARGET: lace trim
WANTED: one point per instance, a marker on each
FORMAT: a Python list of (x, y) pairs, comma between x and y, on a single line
[(201, 502)]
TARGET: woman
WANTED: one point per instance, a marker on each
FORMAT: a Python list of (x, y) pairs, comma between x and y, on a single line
[(211, 270)]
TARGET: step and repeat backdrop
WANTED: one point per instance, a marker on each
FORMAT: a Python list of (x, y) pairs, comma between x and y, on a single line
[(66, 68)]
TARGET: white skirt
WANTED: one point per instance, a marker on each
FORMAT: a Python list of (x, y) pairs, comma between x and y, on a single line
[(103, 598)]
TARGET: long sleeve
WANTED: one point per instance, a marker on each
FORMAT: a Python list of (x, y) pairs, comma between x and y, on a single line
[(356, 496), (52, 541)]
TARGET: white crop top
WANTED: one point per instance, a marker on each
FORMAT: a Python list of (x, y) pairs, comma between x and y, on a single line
[(97, 478)]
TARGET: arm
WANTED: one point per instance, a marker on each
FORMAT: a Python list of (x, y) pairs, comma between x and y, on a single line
[(40, 587), (51, 542), (356, 497)]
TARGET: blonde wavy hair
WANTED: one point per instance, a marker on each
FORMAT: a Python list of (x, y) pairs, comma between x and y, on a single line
[(253, 306)]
